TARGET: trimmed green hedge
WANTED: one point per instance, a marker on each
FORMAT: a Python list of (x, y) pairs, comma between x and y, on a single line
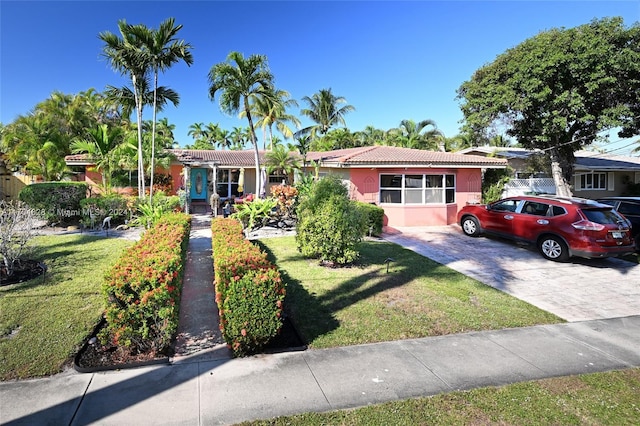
[(249, 290), (57, 201), (374, 217), (143, 289)]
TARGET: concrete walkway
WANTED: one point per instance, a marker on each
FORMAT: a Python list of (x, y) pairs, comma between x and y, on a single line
[(205, 386)]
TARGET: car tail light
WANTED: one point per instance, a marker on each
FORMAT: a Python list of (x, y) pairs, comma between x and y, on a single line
[(587, 225)]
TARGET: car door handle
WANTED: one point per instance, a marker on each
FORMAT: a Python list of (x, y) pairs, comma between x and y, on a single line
[(508, 216), (543, 221)]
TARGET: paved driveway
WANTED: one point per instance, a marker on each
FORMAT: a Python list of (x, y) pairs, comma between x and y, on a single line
[(578, 290)]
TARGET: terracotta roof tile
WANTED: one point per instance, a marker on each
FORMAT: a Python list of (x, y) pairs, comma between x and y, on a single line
[(390, 155)]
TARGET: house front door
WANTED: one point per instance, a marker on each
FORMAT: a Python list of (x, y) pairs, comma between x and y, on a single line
[(198, 184)]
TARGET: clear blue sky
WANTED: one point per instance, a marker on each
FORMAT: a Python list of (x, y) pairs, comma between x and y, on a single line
[(390, 60)]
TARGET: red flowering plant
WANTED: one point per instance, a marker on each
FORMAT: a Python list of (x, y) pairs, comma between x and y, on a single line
[(287, 198), (143, 288), (249, 290)]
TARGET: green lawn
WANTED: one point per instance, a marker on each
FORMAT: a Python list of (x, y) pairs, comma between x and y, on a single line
[(44, 321), (416, 298), (592, 399)]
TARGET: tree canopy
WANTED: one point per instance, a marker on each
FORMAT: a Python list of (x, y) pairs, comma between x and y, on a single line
[(559, 89)]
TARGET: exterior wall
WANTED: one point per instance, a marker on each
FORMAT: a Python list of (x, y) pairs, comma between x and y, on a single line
[(616, 185), (365, 187), (175, 170)]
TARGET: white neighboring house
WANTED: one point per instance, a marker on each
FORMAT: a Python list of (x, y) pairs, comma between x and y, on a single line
[(595, 175)]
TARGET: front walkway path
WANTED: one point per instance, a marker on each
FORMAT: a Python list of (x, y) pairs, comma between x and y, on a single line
[(198, 331)]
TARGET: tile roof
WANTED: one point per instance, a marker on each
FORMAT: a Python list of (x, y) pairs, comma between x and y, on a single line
[(367, 156), (396, 156)]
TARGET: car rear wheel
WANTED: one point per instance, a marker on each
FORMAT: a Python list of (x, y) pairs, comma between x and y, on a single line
[(553, 248), (470, 226)]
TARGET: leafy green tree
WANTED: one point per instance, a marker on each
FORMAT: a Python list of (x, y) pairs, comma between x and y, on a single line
[(324, 108), (159, 51), (197, 132), (559, 89), (101, 144), (241, 79)]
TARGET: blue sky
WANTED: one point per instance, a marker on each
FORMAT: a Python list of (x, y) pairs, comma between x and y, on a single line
[(390, 60)]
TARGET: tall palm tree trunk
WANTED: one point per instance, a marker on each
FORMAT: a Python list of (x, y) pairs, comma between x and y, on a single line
[(138, 100), (153, 132), (254, 140)]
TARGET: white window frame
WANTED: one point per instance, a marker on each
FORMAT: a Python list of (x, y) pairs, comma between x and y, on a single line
[(593, 181), (424, 190)]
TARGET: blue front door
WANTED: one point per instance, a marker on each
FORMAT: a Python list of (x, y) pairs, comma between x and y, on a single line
[(198, 184)]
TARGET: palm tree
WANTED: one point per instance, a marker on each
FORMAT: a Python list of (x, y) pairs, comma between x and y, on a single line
[(324, 109), (197, 132), (410, 134), (273, 110), (123, 53), (247, 78), (282, 161), (160, 50), (238, 138), (101, 144)]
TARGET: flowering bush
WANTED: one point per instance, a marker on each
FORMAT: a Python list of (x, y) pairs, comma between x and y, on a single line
[(143, 288), (287, 197), (249, 290)]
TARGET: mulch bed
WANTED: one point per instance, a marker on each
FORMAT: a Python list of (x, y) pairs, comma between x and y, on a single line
[(27, 270), (95, 357)]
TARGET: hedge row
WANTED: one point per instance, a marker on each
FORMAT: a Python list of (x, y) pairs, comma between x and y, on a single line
[(249, 290), (57, 201), (143, 288)]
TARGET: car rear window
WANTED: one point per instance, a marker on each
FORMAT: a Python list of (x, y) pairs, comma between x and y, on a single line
[(629, 208), (602, 216)]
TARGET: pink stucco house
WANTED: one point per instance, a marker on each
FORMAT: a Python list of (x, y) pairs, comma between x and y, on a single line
[(414, 187)]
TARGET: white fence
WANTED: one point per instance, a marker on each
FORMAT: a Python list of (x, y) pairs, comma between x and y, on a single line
[(529, 186)]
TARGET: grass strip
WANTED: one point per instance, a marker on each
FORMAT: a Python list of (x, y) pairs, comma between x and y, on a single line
[(592, 399)]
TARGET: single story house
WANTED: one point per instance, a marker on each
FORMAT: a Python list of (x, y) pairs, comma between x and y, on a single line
[(414, 187), (595, 174)]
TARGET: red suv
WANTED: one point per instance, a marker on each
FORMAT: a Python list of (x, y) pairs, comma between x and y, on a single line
[(560, 227)]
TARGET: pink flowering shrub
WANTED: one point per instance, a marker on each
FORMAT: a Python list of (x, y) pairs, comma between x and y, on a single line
[(249, 290), (143, 288)]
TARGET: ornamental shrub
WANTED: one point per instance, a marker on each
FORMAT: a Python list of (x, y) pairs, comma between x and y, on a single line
[(249, 290), (96, 209), (331, 232), (374, 216), (143, 288), (57, 201), (329, 224)]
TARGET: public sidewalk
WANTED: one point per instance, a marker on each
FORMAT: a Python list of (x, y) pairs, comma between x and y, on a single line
[(204, 385)]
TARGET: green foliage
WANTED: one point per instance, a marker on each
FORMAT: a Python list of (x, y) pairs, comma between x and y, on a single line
[(329, 224), (58, 201), (256, 213), (493, 184), (142, 291), (249, 290), (559, 89), (374, 216), (332, 231), (95, 209), (150, 213)]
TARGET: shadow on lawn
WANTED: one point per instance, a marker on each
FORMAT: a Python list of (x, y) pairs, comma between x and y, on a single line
[(314, 315)]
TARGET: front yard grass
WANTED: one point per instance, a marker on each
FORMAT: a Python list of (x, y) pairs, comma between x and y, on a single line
[(43, 321), (416, 298), (593, 399)]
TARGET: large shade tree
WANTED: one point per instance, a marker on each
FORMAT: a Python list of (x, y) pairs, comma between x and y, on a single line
[(238, 80), (559, 89)]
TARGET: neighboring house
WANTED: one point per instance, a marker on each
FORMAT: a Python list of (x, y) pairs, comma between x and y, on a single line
[(414, 187), (595, 175)]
